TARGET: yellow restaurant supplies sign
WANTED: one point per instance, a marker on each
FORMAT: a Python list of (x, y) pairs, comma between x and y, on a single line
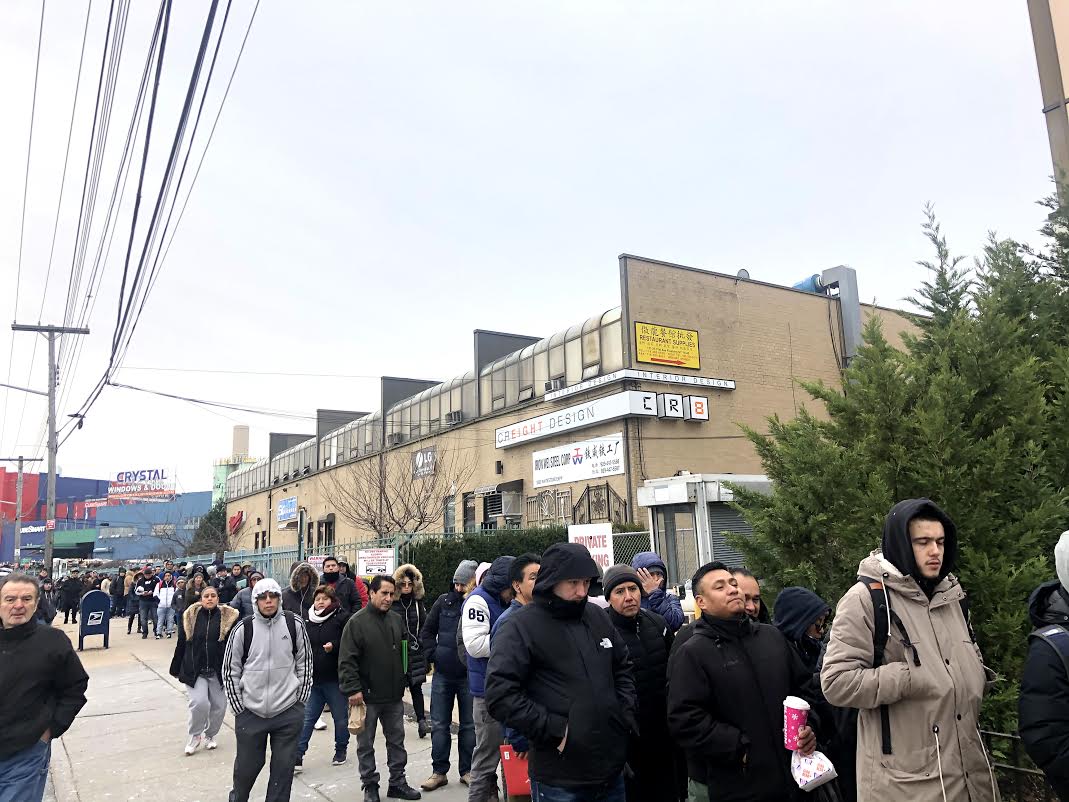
[(667, 345)]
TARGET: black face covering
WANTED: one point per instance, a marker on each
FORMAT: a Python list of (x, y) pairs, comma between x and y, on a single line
[(568, 610), (331, 576)]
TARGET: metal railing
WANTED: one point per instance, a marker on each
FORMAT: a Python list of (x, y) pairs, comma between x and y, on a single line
[(1018, 778)]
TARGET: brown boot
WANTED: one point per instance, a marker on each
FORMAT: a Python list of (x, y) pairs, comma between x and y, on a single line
[(466, 778), (434, 782)]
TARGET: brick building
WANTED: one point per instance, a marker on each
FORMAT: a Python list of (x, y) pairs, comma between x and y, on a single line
[(577, 427)]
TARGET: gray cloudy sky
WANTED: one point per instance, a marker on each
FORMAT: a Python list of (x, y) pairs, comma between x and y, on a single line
[(387, 177)]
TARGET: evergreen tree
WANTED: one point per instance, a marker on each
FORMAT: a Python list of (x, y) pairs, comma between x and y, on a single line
[(972, 412)]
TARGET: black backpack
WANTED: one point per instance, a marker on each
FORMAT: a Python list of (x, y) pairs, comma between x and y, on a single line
[(246, 624), (883, 618), (1057, 637)]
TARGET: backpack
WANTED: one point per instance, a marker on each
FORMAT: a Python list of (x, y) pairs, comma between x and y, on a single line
[(246, 624), (883, 618), (1057, 637)]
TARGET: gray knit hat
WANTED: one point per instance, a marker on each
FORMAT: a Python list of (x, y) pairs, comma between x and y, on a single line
[(465, 572), (619, 574)]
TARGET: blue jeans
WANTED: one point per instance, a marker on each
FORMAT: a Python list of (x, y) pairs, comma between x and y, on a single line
[(443, 691), (23, 775), (325, 693), (612, 791), (164, 619)]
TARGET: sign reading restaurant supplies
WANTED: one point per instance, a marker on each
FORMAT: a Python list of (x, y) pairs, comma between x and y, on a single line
[(598, 541), (375, 561), (576, 462), (666, 345), (580, 416)]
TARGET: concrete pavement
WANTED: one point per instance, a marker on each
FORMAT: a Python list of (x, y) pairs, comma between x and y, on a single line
[(127, 742)]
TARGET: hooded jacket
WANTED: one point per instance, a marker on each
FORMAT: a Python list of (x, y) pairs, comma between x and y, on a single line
[(1043, 707), (40, 669), (481, 610), (560, 668), (201, 642), (413, 616), (243, 602), (439, 635), (797, 609), (293, 598), (665, 604), (271, 681), (933, 707)]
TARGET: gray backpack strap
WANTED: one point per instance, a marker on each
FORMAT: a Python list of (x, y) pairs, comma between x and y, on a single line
[(1057, 637)]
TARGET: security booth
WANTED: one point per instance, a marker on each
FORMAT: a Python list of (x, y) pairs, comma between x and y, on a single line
[(689, 515)]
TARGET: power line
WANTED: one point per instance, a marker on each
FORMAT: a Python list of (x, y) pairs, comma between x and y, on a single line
[(256, 372), (22, 226)]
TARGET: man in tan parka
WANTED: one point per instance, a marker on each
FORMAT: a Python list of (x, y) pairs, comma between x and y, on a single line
[(917, 730)]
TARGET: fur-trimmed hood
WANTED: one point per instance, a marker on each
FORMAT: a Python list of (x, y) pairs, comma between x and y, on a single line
[(228, 616), (416, 576), (299, 570)]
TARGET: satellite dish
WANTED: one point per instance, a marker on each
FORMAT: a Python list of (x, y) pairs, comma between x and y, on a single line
[(744, 273)]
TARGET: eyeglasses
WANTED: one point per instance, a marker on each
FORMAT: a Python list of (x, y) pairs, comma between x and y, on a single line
[(406, 583)]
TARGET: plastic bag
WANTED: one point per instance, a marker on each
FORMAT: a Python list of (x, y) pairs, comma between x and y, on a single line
[(357, 716), (812, 771)]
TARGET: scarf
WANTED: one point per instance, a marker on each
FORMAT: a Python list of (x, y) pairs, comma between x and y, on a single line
[(316, 618)]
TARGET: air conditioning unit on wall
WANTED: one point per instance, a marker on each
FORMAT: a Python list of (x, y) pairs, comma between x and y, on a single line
[(393, 439), (453, 418), (554, 384)]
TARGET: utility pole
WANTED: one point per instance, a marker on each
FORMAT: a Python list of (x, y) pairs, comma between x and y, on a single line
[(51, 332), (18, 505)]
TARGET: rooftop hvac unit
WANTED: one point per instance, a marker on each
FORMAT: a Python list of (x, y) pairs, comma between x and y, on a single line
[(453, 418), (393, 439), (554, 384)]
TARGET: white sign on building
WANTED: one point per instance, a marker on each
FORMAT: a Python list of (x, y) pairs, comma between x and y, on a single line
[(375, 561), (576, 462), (580, 416), (598, 541)]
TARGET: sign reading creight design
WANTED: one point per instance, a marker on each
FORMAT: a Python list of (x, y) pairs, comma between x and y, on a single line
[(591, 413)]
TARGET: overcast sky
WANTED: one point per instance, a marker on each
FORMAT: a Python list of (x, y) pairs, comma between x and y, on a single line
[(387, 177)]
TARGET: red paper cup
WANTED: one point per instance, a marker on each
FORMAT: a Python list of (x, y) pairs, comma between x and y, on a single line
[(795, 713)]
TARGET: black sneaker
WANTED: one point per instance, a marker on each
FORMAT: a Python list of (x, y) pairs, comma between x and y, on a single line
[(298, 767), (405, 791), (371, 793), (339, 757)]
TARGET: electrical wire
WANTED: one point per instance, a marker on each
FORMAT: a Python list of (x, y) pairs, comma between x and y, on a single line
[(22, 231)]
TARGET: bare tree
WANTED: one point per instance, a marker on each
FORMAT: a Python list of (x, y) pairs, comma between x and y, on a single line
[(179, 538), (402, 490)]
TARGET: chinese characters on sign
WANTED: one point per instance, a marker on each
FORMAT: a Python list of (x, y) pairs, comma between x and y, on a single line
[(666, 345), (576, 462)]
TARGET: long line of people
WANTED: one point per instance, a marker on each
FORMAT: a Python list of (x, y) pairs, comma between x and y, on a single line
[(619, 700)]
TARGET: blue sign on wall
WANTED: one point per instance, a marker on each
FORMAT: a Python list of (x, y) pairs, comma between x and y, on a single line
[(287, 509), (96, 616)]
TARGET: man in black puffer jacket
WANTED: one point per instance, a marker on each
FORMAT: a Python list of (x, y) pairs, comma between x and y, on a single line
[(559, 673), (1043, 707), (726, 687), (652, 756)]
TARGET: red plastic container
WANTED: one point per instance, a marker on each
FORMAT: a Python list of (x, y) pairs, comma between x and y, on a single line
[(515, 768)]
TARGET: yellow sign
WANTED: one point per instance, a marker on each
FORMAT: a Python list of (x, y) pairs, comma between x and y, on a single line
[(667, 345)]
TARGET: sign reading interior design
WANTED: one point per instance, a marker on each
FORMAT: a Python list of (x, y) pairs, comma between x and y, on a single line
[(591, 413), (576, 462)]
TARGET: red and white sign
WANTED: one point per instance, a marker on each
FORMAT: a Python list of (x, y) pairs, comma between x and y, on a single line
[(50, 524), (375, 561), (598, 541)]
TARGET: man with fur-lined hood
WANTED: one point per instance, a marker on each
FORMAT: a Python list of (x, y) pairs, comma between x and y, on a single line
[(409, 605), (298, 597), (917, 728), (198, 663)]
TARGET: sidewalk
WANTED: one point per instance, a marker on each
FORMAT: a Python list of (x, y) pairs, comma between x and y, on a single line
[(127, 742)]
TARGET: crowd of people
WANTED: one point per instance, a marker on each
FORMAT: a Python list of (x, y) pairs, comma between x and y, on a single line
[(593, 677)]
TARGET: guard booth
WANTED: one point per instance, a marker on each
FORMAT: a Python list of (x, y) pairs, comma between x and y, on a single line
[(688, 516), (96, 616)]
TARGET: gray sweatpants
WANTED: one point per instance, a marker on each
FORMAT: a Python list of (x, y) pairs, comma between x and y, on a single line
[(207, 706), (487, 754), (252, 733), (392, 717)]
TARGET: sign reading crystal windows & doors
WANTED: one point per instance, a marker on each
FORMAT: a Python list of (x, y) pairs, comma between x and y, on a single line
[(577, 462)]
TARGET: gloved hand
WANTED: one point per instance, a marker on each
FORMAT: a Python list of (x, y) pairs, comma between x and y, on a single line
[(519, 743)]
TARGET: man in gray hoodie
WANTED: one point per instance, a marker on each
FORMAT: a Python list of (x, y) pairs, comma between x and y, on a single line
[(267, 676)]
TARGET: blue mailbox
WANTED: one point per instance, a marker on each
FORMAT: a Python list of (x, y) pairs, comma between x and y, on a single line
[(96, 616)]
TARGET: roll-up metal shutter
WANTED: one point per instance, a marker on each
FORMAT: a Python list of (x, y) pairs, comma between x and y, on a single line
[(722, 518)]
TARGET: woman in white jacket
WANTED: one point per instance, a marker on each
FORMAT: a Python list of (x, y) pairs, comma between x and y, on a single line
[(165, 592)]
